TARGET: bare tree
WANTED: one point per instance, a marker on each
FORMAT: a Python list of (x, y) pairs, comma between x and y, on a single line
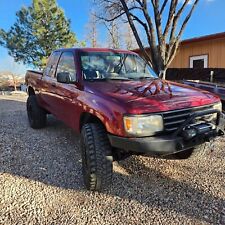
[(113, 34), (163, 41), (15, 81), (91, 27), (8, 79), (129, 39)]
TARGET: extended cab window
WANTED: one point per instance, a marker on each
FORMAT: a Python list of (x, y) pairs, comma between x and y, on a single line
[(67, 65), (51, 65)]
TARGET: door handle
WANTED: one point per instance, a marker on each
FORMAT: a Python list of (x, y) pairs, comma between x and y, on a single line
[(53, 84)]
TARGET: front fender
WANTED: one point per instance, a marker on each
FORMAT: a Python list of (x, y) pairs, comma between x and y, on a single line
[(108, 112)]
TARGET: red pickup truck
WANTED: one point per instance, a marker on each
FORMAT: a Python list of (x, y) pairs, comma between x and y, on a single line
[(120, 107)]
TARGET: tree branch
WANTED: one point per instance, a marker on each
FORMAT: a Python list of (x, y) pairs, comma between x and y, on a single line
[(187, 18), (175, 43), (163, 6), (152, 41), (116, 16), (176, 18), (158, 23), (173, 6), (144, 25), (139, 42), (161, 53)]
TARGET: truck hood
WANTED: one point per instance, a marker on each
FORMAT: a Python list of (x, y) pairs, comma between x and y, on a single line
[(137, 97)]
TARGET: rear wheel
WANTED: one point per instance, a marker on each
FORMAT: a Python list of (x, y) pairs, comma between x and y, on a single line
[(96, 157), (36, 115)]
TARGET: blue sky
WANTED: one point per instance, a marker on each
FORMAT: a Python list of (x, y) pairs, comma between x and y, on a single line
[(208, 18)]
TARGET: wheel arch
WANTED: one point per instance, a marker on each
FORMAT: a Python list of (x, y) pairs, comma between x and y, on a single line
[(89, 118)]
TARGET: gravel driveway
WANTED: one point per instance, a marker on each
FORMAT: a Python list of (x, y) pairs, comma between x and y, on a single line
[(41, 181)]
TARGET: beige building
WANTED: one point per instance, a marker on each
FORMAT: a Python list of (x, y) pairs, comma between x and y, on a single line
[(202, 52)]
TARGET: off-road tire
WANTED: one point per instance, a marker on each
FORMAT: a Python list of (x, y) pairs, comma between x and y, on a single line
[(97, 157), (193, 153), (36, 115)]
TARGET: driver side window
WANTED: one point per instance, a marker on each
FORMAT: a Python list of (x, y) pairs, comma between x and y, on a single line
[(67, 65)]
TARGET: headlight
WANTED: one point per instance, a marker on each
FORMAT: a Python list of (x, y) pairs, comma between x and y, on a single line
[(213, 117), (218, 106), (143, 125)]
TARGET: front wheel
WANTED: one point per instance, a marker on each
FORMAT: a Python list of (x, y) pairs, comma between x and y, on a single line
[(96, 157)]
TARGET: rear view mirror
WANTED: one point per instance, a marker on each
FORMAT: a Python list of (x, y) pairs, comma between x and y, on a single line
[(64, 77)]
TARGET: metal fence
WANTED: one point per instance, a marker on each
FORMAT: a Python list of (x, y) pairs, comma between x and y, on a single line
[(207, 74)]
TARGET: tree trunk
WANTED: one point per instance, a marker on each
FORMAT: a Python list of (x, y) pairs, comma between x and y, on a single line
[(163, 41)]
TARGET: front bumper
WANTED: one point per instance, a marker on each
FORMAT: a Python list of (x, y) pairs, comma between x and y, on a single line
[(175, 142)]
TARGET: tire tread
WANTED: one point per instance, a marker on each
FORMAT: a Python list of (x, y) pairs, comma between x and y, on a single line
[(39, 115), (98, 150)]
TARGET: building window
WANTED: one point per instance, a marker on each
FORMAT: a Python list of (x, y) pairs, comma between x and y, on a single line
[(199, 62)]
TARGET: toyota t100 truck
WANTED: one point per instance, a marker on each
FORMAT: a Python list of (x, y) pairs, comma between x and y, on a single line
[(120, 107)]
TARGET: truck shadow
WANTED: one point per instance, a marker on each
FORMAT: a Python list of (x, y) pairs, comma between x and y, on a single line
[(151, 187), (51, 156)]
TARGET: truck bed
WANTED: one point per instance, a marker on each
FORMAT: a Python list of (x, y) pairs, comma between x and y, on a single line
[(34, 79), (32, 76), (34, 71)]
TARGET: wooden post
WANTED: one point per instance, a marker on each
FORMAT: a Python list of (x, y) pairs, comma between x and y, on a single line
[(211, 76)]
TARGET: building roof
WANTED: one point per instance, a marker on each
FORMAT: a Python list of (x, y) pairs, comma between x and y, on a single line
[(196, 39), (204, 38)]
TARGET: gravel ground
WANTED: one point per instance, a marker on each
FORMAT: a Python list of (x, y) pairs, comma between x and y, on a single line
[(41, 181)]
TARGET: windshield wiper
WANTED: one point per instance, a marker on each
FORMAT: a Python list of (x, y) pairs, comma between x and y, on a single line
[(109, 78), (122, 78), (145, 77), (117, 78)]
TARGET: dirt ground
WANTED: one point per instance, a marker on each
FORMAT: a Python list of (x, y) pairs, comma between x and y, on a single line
[(41, 180)]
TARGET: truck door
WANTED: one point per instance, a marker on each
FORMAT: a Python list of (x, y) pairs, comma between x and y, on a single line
[(66, 102), (48, 81)]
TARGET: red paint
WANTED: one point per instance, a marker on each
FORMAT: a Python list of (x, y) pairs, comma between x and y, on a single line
[(110, 100)]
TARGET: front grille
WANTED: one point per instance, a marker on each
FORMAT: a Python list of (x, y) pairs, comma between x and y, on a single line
[(173, 119)]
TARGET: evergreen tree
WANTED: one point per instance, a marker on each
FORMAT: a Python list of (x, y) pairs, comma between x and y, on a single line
[(38, 30)]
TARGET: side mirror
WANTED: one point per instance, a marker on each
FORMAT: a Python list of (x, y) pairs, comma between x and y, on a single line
[(63, 77)]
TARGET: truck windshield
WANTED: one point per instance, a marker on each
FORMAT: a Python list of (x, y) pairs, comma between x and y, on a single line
[(115, 66)]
